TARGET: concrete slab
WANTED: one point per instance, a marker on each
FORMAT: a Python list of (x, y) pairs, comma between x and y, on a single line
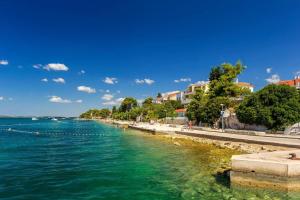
[(273, 169)]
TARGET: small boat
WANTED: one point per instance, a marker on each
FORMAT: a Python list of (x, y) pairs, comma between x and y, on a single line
[(34, 119), (54, 119)]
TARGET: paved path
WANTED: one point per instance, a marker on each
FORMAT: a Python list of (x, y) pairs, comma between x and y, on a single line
[(267, 140)]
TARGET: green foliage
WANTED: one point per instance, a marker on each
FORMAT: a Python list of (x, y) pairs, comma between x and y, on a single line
[(127, 104), (212, 109), (134, 113), (174, 104), (222, 81), (205, 109), (195, 109), (275, 106), (114, 109), (92, 113), (148, 102), (104, 113)]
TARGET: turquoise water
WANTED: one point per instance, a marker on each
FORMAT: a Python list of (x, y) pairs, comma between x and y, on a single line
[(69, 159)]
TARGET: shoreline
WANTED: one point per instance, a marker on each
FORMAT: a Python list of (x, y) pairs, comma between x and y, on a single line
[(171, 131), (253, 165)]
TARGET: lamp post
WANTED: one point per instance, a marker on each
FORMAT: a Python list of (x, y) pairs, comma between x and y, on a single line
[(165, 115), (222, 116)]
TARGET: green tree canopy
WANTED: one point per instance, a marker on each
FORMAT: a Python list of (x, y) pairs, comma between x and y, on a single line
[(127, 104), (275, 106), (114, 109), (205, 109), (222, 80), (148, 101), (92, 113)]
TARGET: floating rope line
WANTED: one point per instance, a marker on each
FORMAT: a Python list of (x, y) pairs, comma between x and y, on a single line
[(20, 124), (21, 131), (51, 134)]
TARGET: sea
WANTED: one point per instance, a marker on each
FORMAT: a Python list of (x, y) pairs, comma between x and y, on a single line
[(65, 158)]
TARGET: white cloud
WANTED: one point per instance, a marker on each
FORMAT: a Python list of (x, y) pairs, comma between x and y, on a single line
[(183, 80), (269, 70), (110, 103), (56, 67), (1, 98), (37, 66), (56, 99), (3, 62), (110, 81), (139, 81), (59, 80), (10, 99), (118, 91), (146, 81), (44, 80), (86, 89), (107, 97), (273, 79), (81, 72), (120, 99), (78, 101), (113, 102)]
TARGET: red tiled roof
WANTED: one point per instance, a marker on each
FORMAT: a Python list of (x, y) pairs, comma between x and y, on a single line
[(180, 110), (244, 84), (290, 82)]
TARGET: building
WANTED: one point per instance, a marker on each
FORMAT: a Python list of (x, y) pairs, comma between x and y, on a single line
[(293, 83), (169, 96), (181, 112), (191, 90), (245, 85)]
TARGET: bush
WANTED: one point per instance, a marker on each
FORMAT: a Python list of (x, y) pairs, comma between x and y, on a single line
[(275, 106)]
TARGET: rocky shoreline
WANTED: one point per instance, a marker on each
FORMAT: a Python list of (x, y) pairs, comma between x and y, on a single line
[(168, 131)]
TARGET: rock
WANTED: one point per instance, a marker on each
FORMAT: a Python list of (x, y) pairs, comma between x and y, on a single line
[(177, 143)]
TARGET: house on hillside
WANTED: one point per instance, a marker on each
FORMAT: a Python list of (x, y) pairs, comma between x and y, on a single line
[(293, 83), (191, 90), (245, 85), (169, 96)]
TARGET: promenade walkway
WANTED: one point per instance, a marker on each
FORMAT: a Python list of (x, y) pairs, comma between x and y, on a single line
[(268, 139), (265, 140)]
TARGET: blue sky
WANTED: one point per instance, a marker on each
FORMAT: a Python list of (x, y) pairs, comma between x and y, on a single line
[(158, 41)]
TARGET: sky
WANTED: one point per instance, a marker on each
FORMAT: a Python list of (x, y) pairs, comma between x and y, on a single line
[(61, 57)]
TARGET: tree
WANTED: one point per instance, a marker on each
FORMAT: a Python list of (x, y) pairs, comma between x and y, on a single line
[(159, 95), (92, 113), (174, 103), (275, 106), (134, 113), (222, 81), (127, 104), (147, 102), (195, 109), (104, 113), (114, 109)]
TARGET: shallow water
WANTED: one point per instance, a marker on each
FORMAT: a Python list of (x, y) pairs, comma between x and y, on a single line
[(69, 159)]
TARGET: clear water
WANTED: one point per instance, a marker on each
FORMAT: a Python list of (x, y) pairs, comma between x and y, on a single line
[(69, 159)]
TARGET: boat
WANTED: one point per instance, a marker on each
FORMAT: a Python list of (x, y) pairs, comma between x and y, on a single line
[(54, 119), (34, 119)]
